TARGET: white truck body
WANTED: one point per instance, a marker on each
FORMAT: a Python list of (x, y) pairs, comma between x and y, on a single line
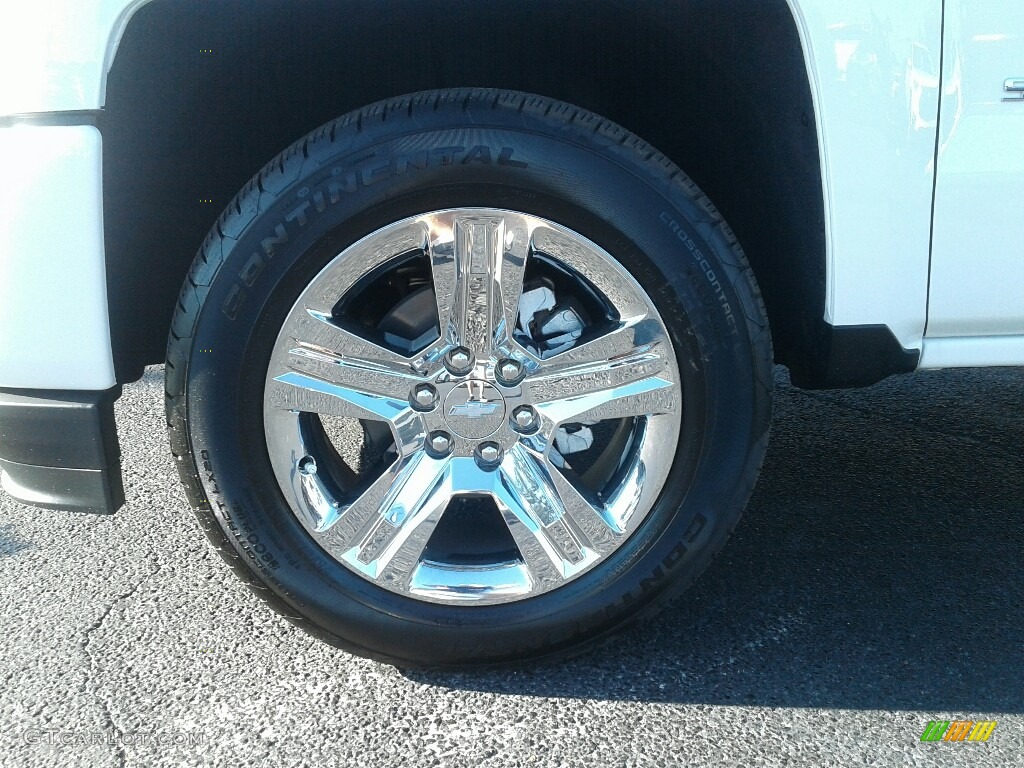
[(933, 251)]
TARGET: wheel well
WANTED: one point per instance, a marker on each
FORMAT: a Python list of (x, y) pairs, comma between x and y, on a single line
[(202, 94)]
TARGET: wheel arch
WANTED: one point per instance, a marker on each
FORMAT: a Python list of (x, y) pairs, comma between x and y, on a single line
[(200, 95)]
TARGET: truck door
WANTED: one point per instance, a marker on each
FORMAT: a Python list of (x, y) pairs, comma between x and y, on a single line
[(977, 272)]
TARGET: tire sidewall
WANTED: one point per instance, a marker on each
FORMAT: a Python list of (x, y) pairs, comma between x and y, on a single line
[(594, 186)]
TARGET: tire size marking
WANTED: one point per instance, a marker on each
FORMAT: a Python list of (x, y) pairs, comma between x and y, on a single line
[(211, 481), (249, 539), (698, 257)]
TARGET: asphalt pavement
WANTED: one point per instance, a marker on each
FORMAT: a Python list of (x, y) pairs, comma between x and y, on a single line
[(875, 584)]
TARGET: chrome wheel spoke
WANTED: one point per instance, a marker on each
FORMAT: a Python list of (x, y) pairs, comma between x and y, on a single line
[(295, 391), (624, 373), (478, 262), (591, 262), (586, 511), (549, 521), (320, 348), (360, 259), (649, 396), (334, 372), (383, 532)]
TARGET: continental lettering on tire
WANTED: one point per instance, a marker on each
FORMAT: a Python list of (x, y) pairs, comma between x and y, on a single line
[(349, 180), (280, 237), (233, 302), (695, 528), (252, 269), (672, 559), (345, 181)]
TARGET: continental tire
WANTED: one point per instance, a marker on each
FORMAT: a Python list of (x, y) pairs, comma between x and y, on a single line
[(469, 377)]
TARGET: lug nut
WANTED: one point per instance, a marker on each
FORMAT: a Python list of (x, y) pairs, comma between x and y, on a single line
[(306, 465), (424, 397), (459, 361), (440, 443), (524, 418), (488, 455), (509, 372)]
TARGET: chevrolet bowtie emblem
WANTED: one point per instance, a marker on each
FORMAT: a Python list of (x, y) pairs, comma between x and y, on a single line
[(475, 409)]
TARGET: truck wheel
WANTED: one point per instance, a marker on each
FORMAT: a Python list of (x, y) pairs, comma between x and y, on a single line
[(469, 377)]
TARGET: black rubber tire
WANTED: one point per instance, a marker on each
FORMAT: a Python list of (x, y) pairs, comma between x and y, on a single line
[(438, 150)]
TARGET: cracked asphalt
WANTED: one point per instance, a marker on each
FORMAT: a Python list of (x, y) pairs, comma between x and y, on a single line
[(875, 584)]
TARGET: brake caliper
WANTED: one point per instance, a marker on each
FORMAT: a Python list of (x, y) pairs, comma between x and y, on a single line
[(546, 327)]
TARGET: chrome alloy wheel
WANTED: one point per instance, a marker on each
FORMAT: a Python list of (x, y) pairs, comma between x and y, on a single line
[(476, 409)]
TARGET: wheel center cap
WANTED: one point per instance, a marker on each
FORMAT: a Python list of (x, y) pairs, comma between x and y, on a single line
[(474, 410)]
